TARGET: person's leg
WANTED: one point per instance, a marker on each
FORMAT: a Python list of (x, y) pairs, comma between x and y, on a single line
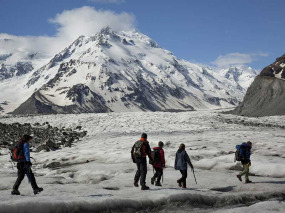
[(184, 177), (179, 181), (21, 175), (138, 173), (32, 179), (154, 176), (143, 172), (159, 174), (246, 172), (244, 169)]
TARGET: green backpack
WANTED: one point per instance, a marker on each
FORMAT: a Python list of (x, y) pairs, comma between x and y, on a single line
[(138, 149)]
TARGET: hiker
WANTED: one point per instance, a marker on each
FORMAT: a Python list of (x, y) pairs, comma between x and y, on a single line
[(158, 163), (244, 157), (181, 161), (24, 166), (139, 152)]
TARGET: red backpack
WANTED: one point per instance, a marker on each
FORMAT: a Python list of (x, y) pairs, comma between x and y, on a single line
[(17, 152)]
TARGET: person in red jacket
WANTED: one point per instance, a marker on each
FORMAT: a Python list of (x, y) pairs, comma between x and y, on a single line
[(158, 163)]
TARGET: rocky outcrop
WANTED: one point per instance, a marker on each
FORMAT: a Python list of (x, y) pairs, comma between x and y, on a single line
[(277, 69), (265, 97), (45, 137)]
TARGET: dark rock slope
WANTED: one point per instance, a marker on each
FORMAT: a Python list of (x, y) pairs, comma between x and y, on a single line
[(45, 137), (266, 95)]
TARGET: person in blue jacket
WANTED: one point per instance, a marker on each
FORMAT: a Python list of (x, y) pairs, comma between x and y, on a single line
[(244, 153), (24, 166), (181, 161)]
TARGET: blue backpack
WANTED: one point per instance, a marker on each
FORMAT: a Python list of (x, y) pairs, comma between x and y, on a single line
[(240, 153)]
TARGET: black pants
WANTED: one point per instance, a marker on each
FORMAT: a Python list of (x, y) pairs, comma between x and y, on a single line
[(183, 178), (141, 171), (22, 171), (158, 174)]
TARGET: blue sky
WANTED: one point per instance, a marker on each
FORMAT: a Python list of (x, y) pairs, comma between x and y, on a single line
[(214, 32)]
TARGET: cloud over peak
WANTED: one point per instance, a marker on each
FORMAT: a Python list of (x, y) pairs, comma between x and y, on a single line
[(88, 21), (70, 24)]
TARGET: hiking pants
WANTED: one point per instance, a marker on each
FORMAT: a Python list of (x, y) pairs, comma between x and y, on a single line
[(141, 171), (22, 170), (158, 174), (183, 178), (245, 171)]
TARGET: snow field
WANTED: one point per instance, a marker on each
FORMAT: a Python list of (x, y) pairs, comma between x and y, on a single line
[(97, 173)]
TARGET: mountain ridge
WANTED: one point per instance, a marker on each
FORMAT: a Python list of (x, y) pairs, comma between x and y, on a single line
[(129, 72)]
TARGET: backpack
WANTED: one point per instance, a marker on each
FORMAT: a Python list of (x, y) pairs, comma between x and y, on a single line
[(138, 149), (240, 154), (156, 156), (17, 152)]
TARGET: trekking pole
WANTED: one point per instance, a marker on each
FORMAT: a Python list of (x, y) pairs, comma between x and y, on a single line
[(194, 176), (33, 159)]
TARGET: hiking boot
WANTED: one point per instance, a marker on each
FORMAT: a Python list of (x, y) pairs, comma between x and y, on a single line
[(239, 177), (152, 181), (145, 188), (179, 183), (38, 190), (15, 192), (136, 184), (248, 181), (158, 184)]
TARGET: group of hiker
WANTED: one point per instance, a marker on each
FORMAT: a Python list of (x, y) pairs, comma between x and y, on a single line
[(140, 150)]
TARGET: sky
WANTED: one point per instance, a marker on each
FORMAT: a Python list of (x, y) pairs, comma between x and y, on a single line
[(213, 32)]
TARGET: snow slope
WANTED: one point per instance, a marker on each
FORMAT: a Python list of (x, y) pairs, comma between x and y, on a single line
[(97, 173)]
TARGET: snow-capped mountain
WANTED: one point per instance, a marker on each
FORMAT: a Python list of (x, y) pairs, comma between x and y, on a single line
[(119, 71), (241, 76), (124, 71), (9, 69)]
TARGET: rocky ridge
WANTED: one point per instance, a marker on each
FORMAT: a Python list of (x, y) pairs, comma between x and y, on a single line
[(266, 95)]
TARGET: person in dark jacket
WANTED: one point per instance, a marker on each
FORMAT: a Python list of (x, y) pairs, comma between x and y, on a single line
[(140, 150), (159, 165), (24, 167), (181, 161), (245, 152)]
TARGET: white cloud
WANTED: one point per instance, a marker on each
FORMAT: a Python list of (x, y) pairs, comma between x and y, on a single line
[(88, 21), (224, 61), (70, 24), (108, 1)]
